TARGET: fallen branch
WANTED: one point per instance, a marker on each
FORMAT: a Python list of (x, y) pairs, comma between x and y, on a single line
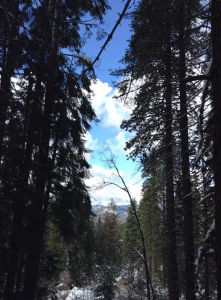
[(197, 77), (109, 37), (111, 163)]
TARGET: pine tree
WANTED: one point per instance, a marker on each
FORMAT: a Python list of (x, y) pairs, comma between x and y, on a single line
[(11, 53), (49, 116), (112, 236), (53, 262), (216, 41), (152, 117), (99, 238), (160, 56), (152, 214), (131, 238), (184, 8), (106, 287)]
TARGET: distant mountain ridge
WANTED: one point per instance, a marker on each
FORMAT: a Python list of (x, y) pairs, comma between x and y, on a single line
[(121, 210)]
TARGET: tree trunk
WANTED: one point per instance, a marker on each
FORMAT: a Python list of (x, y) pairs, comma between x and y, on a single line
[(205, 207), (39, 206), (8, 66), (216, 83), (153, 262), (9, 48), (186, 184), (36, 229), (15, 251), (172, 266), (21, 196)]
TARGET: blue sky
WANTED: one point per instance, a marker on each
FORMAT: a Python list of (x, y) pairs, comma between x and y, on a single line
[(110, 113)]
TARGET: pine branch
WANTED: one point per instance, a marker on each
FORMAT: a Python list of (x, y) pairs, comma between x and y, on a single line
[(23, 26)]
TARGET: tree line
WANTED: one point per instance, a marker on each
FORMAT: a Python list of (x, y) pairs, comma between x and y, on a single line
[(45, 113), (170, 80)]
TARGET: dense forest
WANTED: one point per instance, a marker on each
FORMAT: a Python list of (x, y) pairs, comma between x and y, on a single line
[(53, 245)]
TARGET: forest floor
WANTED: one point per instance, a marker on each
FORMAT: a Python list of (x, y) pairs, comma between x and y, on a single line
[(86, 293)]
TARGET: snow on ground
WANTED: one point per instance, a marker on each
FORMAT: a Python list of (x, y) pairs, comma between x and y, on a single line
[(81, 294), (87, 293)]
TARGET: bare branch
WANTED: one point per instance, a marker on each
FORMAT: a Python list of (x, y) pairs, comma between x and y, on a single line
[(107, 183), (110, 161)]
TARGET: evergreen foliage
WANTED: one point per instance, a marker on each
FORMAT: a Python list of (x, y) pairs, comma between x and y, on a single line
[(152, 215), (112, 236), (106, 287), (45, 113), (107, 236), (99, 238), (171, 79), (131, 238), (163, 51)]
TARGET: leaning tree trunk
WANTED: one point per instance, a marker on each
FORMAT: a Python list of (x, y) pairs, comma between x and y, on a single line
[(185, 165), (173, 282), (216, 83)]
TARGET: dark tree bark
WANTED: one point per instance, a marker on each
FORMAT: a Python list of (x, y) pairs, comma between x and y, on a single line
[(30, 185), (173, 282), (21, 197), (216, 84), (205, 207), (17, 234), (8, 63), (185, 165), (9, 34), (39, 206)]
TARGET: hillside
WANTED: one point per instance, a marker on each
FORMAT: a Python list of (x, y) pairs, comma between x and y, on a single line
[(121, 210)]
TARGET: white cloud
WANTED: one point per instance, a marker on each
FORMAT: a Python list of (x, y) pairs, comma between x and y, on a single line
[(101, 91), (104, 195), (91, 144), (110, 113), (108, 110), (118, 143)]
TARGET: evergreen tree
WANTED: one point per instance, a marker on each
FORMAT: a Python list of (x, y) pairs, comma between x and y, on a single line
[(184, 8), (106, 287), (160, 55), (53, 262), (49, 115), (131, 238), (99, 238), (152, 215), (216, 41), (112, 236), (152, 117)]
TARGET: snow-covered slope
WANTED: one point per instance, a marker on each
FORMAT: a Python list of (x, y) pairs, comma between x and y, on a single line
[(81, 294)]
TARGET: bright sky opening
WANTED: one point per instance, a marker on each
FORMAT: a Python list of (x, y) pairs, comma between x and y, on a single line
[(110, 114)]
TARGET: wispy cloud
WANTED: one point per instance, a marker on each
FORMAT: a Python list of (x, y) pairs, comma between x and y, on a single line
[(118, 143)]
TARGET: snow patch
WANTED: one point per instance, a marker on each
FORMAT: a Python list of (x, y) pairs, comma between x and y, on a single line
[(80, 294)]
